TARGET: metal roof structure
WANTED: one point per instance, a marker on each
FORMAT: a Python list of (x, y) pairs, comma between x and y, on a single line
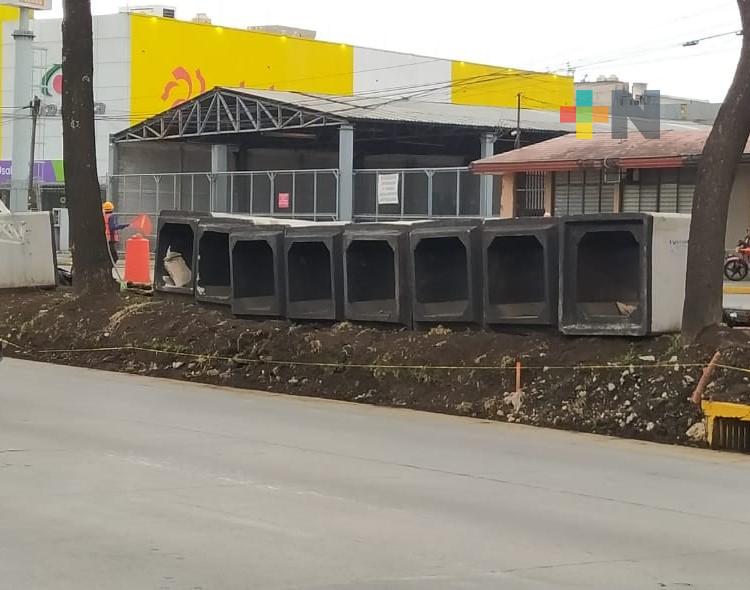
[(380, 109), (672, 149), (224, 111)]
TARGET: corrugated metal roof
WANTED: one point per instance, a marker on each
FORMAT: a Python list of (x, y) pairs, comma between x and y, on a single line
[(373, 108), (566, 152)]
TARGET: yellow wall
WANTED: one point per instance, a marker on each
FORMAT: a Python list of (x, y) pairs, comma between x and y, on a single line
[(226, 57), (475, 84), (174, 61)]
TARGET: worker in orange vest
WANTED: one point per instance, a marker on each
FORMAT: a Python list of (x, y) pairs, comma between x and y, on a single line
[(112, 228)]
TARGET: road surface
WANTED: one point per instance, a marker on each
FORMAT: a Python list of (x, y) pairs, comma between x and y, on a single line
[(113, 481), (737, 294)]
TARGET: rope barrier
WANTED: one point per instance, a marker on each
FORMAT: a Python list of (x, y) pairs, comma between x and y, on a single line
[(370, 366)]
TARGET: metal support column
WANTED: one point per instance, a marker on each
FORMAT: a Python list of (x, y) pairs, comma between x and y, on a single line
[(220, 164), (485, 180), (112, 192), (346, 172), (22, 93)]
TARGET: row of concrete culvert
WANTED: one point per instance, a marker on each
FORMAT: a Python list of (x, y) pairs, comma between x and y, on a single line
[(620, 274)]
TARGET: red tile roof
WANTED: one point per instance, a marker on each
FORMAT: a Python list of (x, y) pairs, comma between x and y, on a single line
[(672, 149)]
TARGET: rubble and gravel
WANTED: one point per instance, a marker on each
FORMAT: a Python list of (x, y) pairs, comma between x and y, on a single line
[(640, 388)]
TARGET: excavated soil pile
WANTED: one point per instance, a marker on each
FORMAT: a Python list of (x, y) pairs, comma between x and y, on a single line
[(637, 388)]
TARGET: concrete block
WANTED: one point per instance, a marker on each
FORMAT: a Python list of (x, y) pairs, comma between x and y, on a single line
[(175, 232), (314, 271), (258, 271), (520, 259), (27, 250), (623, 274), (376, 273), (446, 272)]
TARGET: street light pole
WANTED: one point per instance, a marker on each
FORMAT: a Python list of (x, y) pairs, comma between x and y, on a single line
[(22, 92)]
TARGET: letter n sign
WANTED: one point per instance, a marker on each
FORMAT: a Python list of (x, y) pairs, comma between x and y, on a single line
[(645, 114)]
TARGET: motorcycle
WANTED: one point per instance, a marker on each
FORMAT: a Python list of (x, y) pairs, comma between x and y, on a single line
[(736, 266)]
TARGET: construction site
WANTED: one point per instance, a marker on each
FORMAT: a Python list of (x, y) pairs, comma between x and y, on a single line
[(402, 254), (564, 323), (282, 312)]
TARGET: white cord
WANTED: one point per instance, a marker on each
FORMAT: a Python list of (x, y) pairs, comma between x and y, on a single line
[(114, 265)]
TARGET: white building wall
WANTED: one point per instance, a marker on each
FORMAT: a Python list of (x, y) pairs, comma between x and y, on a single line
[(111, 84), (385, 73)]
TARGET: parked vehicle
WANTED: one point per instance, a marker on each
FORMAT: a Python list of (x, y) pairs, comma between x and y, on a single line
[(736, 317), (737, 265)]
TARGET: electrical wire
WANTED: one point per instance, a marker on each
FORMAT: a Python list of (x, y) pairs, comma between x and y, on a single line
[(411, 91)]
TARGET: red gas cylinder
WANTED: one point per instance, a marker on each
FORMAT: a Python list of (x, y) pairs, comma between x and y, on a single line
[(137, 262)]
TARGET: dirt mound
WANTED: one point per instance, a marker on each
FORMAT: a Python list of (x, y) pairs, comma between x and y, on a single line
[(635, 388)]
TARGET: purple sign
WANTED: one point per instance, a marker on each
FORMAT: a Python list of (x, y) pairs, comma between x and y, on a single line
[(45, 171)]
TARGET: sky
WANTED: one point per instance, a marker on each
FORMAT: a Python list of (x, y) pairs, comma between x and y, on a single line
[(636, 40)]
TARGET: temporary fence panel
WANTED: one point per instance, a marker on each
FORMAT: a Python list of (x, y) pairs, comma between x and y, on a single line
[(415, 193)]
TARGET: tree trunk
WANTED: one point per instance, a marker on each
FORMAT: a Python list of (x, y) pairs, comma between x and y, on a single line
[(716, 173), (91, 261)]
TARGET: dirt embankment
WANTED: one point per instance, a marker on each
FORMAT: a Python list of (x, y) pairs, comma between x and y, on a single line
[(634, 388)]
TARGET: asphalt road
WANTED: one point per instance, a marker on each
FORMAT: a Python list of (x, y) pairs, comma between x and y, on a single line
[(112, 481)]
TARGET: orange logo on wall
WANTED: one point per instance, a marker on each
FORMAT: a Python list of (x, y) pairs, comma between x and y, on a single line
[(183, 86)]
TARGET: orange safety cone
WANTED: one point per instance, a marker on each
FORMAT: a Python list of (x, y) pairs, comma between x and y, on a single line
[(137, 265)]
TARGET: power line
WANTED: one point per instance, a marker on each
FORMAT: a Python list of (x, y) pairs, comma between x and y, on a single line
[(696, 41), (642, 51), (412, 91)]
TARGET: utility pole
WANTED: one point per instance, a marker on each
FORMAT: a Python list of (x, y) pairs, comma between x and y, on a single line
[(517, 144), (22, 92), (33, 195)]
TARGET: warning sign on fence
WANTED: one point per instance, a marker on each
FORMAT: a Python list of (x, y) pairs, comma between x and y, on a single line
[(388, 189), (283, 200)]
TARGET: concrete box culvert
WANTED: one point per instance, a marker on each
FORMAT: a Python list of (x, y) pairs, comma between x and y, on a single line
[(314, 272), (623, 274), (376, 273), (213, 279), (179, 232), (176, 233), (257, 267), (446, 273), (520, 282)]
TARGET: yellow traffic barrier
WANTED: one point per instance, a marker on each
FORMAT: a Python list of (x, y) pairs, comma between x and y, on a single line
[(727, 425)]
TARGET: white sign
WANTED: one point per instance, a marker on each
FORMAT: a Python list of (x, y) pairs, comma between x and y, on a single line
[(33, 4), (388, 189)]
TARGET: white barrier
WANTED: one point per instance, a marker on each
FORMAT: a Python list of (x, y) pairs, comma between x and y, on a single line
[(27, 251)]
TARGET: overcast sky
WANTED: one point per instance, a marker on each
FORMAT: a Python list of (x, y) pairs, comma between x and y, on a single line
[(637, 40)]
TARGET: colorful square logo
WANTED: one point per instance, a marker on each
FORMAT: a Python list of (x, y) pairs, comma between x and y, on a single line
[(584, 114)]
